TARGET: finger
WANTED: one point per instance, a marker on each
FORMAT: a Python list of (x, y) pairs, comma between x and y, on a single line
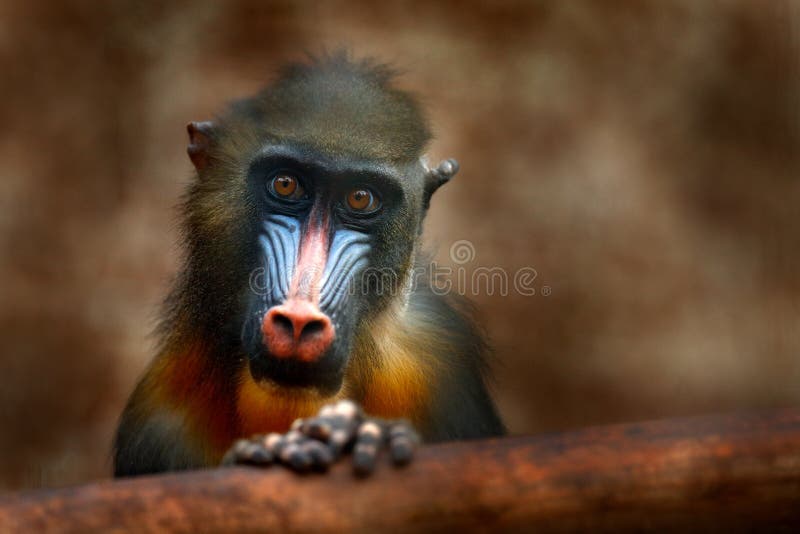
[(320, 453), (327, 410), (340, 439), (298, 424), (367, 446), (349, 410), (344, 426), (318, 428), (295, 456), (235, 452), (257, 454), (402, 443), (251, 452)]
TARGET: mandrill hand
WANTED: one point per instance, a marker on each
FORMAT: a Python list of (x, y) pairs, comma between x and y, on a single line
[(317, 442)]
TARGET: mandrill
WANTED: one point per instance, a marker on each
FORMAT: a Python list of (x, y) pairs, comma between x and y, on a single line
[(303, 323)]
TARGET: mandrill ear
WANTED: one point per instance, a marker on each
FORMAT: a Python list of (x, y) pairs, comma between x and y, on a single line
[(437, 177), (201, 137)]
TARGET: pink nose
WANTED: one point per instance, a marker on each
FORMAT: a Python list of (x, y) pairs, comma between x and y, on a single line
[(297, 329)]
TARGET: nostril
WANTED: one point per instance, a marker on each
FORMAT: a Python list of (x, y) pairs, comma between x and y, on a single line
[(283, 324), (311, 329)]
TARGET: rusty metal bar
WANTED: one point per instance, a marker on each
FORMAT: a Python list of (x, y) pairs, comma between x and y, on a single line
[(730, 472)]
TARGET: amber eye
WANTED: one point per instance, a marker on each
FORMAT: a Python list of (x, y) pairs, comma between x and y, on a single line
[(362, 200), (286, 186)]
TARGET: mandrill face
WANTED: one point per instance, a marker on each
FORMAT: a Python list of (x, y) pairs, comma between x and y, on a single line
[(324, 228)]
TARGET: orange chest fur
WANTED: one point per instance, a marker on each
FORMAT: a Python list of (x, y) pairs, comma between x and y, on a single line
[(395, 392), (222, 412)]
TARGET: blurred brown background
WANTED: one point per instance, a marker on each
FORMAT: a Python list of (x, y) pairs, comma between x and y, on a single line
[(642, 156)]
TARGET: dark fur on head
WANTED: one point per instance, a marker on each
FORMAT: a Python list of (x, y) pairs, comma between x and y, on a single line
[(339, 106)]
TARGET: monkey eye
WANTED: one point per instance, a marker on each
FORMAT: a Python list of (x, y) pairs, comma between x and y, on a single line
[(362, 200), (286, 186)]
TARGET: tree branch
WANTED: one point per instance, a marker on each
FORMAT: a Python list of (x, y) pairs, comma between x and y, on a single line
[(727, 472)]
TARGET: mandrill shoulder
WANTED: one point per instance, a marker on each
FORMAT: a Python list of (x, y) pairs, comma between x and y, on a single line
[(429, 363), (181, 414)]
